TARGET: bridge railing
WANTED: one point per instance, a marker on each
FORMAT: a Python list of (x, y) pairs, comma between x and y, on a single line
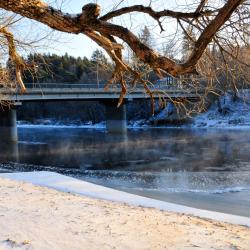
[(157, 86), (81, 87), (65, 86)]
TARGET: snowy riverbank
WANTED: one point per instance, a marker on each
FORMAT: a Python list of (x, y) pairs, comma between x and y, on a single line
[(230, 113), (86, 223)]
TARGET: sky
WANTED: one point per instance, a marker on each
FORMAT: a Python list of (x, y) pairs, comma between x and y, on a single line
[(80, 45)]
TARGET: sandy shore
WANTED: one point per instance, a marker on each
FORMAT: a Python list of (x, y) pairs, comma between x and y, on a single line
[(34, 217)]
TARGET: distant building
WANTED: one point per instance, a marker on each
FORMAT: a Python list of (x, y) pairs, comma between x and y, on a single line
[(168, 82)]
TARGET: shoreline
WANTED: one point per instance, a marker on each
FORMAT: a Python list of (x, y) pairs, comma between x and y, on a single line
[(38, 217), (72, 185), (217, 200), (138, 127), (201, 201)]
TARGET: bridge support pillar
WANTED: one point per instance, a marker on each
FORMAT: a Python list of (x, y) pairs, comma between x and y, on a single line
[(8, 126), (116, 121)]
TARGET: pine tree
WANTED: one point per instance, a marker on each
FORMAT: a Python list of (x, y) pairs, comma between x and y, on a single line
[(99, 57), (146, 37)]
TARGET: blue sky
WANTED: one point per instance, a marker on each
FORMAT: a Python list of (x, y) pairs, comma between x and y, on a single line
[(75, 45), (80, 45)]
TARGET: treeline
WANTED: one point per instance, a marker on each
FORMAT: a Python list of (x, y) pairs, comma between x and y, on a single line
[(54, 68)]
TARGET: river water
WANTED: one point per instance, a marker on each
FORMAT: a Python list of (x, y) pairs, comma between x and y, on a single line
[(207, 169)]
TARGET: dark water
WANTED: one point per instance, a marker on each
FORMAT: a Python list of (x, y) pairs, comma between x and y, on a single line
[(201, 168)]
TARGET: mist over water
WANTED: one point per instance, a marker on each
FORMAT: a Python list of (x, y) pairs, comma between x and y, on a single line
[(160, 163)]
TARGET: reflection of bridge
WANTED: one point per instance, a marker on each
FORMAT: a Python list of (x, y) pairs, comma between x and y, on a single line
[(116, 118)]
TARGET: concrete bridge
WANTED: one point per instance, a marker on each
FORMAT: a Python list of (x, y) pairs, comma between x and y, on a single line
[(116, 118)]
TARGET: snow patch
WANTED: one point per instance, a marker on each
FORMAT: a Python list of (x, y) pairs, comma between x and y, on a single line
[(228, 112), (51, 123), (68, 184)]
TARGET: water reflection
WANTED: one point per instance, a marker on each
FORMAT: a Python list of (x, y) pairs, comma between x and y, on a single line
[(142, 159), (151, 150), (199, 168), (9, 152)]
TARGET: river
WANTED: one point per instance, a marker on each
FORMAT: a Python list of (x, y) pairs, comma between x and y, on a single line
[(203, 168)]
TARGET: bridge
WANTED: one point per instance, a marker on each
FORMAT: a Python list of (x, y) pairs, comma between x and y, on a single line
[(116, 118), (60, 91)]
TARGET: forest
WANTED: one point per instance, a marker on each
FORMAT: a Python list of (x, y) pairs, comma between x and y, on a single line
[(54, 68)]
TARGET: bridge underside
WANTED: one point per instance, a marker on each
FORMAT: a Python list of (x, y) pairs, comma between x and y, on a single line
[(115, 121), (115, 117)]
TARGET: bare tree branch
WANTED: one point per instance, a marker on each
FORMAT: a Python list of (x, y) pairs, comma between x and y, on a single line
[(14, 57), (100, 29)]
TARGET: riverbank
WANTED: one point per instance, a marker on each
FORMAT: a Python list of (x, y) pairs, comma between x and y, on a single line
[(35, 217), (201, 168)]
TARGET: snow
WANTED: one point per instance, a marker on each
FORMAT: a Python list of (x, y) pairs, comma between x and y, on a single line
[(230, 114), (233, 113), (72, 185), (165, 113), (36, 217), (50, 123)]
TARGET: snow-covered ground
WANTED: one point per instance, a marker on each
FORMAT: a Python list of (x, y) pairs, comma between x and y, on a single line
[(36, 217), (229, 114), (143, 123), (75, 186), (60, 124)]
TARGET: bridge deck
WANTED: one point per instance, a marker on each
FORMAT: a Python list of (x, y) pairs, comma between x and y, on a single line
[(46, 92)]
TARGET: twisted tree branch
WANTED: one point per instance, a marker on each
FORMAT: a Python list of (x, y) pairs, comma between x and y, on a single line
[(104, 33)]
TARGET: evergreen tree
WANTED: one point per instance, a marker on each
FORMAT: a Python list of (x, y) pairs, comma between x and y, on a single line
[(146, 37), (99, 57), (67, 69)]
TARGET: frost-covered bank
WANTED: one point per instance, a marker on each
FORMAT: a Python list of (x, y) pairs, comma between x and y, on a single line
[(228, 111), (46, 215)]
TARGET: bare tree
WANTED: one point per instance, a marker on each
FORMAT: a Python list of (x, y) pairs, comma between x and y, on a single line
[(11, 49), (222, 22)]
